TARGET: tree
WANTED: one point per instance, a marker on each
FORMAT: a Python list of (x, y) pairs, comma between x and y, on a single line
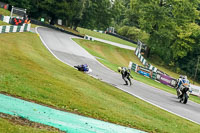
[(118, 11), (163, 21), (97, 14)]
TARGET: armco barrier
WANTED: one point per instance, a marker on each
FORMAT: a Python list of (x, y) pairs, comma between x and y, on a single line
[(140, 57), (145, 63), (88, 38), (121, 37), (133, 66), (5, 18), (154, 75), (100, 31), (11, 28)]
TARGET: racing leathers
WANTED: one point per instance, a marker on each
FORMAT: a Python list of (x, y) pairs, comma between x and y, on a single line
[(125, 72)]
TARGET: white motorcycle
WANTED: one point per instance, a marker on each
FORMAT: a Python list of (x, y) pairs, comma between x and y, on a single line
[(184, 92)]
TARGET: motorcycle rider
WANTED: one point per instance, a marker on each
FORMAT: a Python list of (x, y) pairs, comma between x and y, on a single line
[(182, 81), (125, 72), (83, 67)]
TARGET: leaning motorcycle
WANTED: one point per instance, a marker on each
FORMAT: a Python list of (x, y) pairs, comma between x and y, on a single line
[(185, 92), (84, 68)]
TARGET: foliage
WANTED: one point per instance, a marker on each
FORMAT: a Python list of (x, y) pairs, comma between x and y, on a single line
[(172, 29), (167, 26), (97, 14), (133, 33), (72, 12)]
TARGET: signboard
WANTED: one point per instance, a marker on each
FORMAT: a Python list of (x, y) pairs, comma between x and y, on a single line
[(42, 19), (167, 80), (195, 90), (144, 72), (59, 22), (17, 21)]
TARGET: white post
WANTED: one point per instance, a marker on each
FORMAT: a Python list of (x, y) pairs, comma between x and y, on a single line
[(11, 12)]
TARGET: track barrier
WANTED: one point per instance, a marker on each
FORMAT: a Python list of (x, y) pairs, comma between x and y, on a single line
[(88, 38)]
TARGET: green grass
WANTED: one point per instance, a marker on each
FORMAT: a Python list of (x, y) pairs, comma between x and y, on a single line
[(3, 23), (70, 30), (28, 70), (10, 127), (104, 36), (34, 25), (4, 12), (114, 57)]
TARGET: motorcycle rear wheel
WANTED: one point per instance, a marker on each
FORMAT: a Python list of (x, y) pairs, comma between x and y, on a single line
[(185, 98)]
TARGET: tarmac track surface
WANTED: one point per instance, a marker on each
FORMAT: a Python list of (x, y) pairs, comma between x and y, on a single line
[(66, 50)]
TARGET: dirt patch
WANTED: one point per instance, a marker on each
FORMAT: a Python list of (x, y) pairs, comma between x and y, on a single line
[(25, 122)]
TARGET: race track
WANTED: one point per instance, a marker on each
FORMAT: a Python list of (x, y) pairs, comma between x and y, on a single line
[(66, 50)]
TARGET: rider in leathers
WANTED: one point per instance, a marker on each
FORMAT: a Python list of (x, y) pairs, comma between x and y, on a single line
[(181, 80), (125, 72)]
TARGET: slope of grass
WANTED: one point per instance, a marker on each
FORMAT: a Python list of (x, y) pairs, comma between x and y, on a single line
[(4, 12), (9, 127), (34, 25), (104, 36), (70, 30), (114, 57), (3, 23), (28, 70)]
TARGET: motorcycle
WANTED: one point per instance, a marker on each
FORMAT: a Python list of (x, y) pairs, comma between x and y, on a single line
[(184, 92), (84, 68)]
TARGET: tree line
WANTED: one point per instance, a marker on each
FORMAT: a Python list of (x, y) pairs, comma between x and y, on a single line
[(93, 14), (170, 28)]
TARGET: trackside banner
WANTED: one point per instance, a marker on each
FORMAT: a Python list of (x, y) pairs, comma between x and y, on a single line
[(167, 80), (195, 90)]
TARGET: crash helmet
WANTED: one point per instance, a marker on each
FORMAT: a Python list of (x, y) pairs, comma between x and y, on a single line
[(185, 77), (119, 69), (181, 76)]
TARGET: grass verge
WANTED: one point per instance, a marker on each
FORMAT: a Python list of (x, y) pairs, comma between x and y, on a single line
[(3, 23), (34, 25), (11, 124), (113, 57), (28, 70), (104, 36), (4, 12), (70, 30)]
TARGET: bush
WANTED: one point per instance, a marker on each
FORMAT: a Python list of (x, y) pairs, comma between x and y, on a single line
[(123, 31), (133, 33)]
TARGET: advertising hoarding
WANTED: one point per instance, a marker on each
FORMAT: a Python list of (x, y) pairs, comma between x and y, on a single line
[(167, 80)]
